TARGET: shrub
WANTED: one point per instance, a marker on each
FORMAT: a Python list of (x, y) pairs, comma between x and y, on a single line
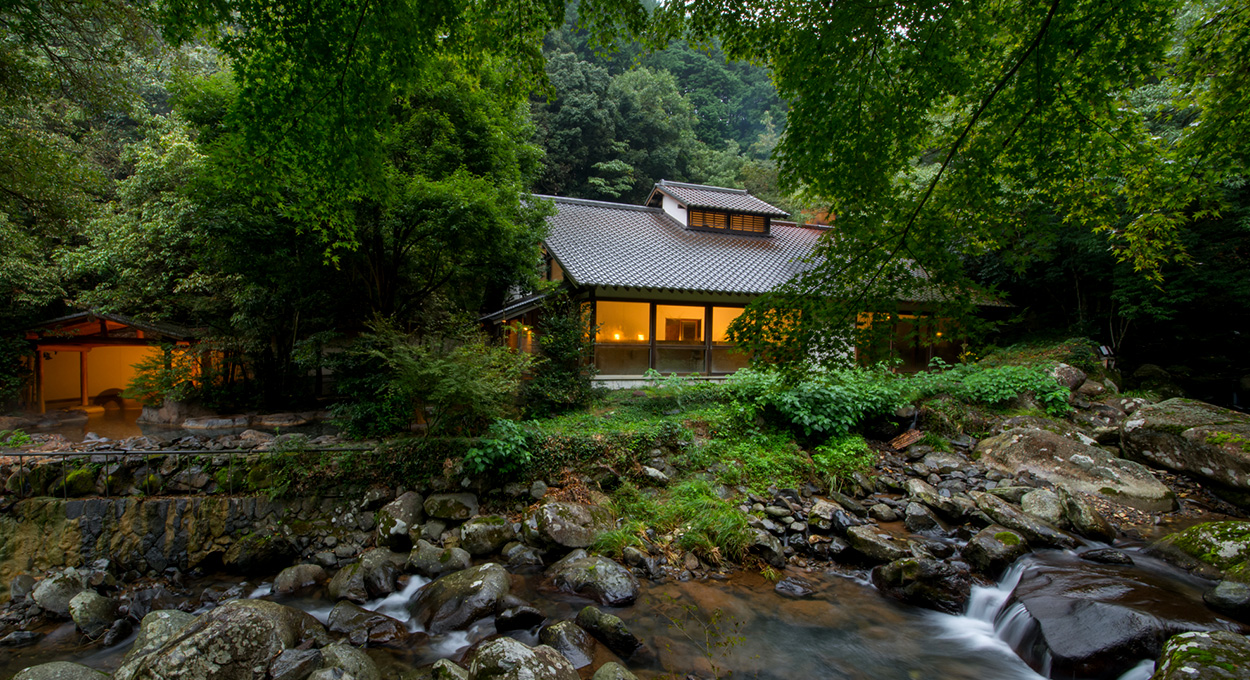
[(457, 384), (826, 402), (562, 381), (993, 385), (838, 459), (502, 451)]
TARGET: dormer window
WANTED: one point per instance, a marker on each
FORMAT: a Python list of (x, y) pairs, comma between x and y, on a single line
[(721, 221)]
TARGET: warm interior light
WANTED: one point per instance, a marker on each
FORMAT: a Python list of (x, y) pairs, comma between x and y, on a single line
[(641, 336), (939, 334), (616, 336)]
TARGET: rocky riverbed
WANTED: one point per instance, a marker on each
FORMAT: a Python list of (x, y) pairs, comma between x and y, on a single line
[(1033, 550)]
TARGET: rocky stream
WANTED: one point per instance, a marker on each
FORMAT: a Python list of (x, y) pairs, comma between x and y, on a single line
[(1110, 545)]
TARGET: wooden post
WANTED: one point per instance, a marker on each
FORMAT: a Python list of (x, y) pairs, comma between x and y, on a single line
[(82, 375), (39, 403)]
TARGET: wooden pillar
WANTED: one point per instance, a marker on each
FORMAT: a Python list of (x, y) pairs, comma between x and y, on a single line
[(39, 403), (82, 375)]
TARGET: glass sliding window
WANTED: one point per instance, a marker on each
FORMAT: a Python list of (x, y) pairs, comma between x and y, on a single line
[(680, 339), (623, 340), (725, 356)]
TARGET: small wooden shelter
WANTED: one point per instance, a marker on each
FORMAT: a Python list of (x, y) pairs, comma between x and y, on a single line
[(87, 358)]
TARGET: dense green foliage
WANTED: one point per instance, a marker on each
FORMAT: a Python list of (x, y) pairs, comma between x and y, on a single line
[(562, 378)]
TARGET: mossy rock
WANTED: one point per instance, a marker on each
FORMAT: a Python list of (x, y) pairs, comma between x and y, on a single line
[(1224, 545), (1218, 655), (80, 482)]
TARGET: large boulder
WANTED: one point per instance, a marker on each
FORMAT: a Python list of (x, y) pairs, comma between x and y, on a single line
[(596, 577), (1223, 545), (455, 601), (236, 641), (429, 560), (156, 629), (507, 659), (993, 549), (565, 525), (457, 506), (1219, 655), (486, 535), (929, 583), (877, 546), (1076, 467), (397, 518), (60, 670), (298, 577), (569, 639), (54, 592), (1095, 620), (366, 628), (1194, 437), (92, 613), (349, 584), (356, 663), (1084, 518), (610, 630), (1037, 532)]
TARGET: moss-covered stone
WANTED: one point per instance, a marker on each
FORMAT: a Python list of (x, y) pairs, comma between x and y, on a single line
[(1224, 545), (1218, 655)]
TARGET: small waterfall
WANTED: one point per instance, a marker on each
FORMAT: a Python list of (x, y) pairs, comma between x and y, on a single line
[(395, 605)]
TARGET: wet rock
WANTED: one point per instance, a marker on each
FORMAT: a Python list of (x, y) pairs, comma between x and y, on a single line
[(610, 630), (259, 554), (929, 583), (355, 662), (455, 601), (1037, 532), (429, 560), (294, 664), (596, 577), (831, 517), (565, 525), (486, 535), (21, 586), (1106, 556), (570, 640), (349, 584), (381, 568), (875, 545), (298, 577), (92, 613), (1076, 467), (1194, 437), (117, 633), (613, 671), (54, 592), (1218, 655), (794, 586), (1043, 504), (520, 555), (925, 493), (507, 659), (20, 638), (1230, 597), (519, 617), (60, 670), (1084, 518), (456, 506), (365, 628), (883, 513), (445, 669), (156, 629), (918, 518), (945, 463), (235, 640), (397, 518), (1095, 621)]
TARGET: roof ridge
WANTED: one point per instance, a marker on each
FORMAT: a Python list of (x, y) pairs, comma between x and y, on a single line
[(687, 185), (602, 204)]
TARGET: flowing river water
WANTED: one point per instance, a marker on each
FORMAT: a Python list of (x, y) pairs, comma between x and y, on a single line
[(740, 628)]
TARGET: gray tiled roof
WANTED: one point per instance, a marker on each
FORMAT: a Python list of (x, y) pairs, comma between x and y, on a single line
[(717, 198), (613, 244)]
